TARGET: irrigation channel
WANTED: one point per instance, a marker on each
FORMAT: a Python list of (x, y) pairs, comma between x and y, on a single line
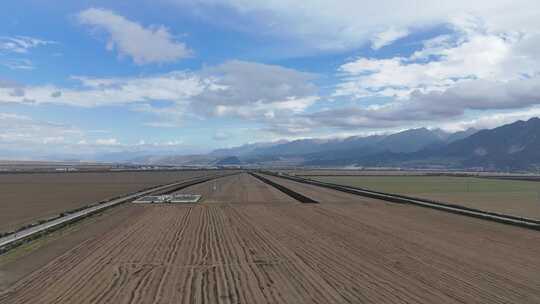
[(297, 196), (15, 239), (403, 199)]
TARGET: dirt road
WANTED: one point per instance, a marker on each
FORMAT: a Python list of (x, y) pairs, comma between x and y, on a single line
[(248, 243)]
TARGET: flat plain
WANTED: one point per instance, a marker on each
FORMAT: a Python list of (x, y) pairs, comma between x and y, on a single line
[(247, 242), (29, 197), (512, 197)]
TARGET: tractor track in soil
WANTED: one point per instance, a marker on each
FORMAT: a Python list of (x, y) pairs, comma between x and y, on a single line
[(247, 242)]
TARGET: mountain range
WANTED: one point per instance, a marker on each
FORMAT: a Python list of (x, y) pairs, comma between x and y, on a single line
[(514, 146), (297, 152)]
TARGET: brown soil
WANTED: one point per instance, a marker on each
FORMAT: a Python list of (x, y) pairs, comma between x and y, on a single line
[(238, 189), (27, 258), (26, 198), (317, 193), (343, 250)]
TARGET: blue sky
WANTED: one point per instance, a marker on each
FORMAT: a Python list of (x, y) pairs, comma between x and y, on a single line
[(82, 78)]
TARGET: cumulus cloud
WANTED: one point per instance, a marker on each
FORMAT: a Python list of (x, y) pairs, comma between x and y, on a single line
[(255, 91), (472, 69), (479, 95), (442, 63), (175, 86), (154, 44), (237, 89), (437, 106), (267, 111)]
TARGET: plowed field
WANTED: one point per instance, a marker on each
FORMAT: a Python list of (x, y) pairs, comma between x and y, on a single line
[(249, 243), (512, 197), (28, 197)]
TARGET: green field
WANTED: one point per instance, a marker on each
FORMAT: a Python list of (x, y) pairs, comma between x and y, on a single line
[(520, 198)]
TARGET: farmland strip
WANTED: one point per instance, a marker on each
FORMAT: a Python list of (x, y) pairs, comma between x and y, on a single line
[(396, 198), (297, 196), (13, 240)]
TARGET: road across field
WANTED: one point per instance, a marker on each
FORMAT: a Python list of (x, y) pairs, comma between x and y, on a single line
[(250, 243), (31, 231)]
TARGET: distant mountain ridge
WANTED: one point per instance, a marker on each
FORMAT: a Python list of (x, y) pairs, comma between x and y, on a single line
[(514, 146), (312, 151), (411, 140)]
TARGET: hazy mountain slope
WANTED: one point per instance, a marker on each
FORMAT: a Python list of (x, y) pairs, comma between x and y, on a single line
[(411, 140), (178, 160), (310, 146), (371, 150), (515, 145), (406, 141), (228, 161), (461, 135), (244, 149)]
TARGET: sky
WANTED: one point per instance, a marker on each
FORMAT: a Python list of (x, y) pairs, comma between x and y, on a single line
[(86, 78)]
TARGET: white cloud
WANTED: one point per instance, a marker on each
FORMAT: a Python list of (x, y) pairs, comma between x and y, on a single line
[(490, 120), (255, 91), (441, 64), (477, 97), (349, 24), (21, 44), (488, 61), (473, 69), (175, 86), (23, 137), (144, 45), (266, 111), (18, 129), (387, 37), (238, 89)]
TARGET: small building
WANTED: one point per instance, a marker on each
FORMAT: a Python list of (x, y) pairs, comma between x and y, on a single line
[(184, 198), (151, 199), (172, 199)]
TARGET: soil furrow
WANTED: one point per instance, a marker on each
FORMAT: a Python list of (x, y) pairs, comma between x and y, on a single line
[(246, 242)]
